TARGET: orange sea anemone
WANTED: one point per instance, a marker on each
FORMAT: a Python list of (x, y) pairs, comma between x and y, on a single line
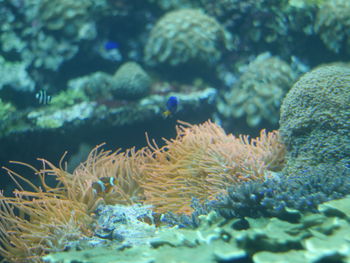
[(201, 162), (47, 218)]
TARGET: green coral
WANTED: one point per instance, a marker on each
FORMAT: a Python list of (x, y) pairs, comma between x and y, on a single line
[(332, 24), (96, 85), (259, 91), (68, 97), (66, 107), (184, 35), (52, 118), (315, 118)]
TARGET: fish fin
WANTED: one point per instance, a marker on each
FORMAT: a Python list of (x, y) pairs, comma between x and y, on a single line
[(166, 114)]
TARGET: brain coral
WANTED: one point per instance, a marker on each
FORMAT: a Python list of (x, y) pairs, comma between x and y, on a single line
[(184, 35), (259, 91), (131, 82), (332, 24), (315, 118)]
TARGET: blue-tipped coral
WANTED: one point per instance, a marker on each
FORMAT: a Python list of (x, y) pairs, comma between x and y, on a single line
[(274, 197)]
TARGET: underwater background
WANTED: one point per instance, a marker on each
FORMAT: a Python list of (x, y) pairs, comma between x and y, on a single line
[(226, 126)]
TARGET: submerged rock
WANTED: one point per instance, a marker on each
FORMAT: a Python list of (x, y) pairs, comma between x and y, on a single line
[(315, 118)]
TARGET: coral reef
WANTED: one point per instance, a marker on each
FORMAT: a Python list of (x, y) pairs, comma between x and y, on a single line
[(263, 25), (332, 23), (74, 115), (97, 85), (125, 224), (130, 82), (185, 35), (36, 20), (315, 119), (15, 75), (312, 238), (68, 17), (108, 69), (40, 53), (77, 106), (44, 34), (259, 91)]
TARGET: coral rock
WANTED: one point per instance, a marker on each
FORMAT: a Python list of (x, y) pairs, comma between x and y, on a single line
[(259, 91), (184, 35), (131, 82), (315, 118)]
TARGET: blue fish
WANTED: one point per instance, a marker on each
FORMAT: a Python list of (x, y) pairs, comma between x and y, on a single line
[(171, 106), (109, 45)]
